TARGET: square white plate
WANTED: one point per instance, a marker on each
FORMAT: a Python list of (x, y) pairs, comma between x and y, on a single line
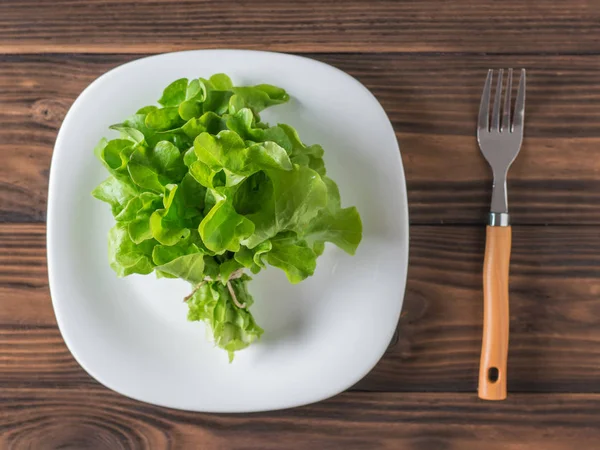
[(321, 336)]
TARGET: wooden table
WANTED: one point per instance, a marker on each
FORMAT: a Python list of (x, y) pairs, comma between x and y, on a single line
[(426, 62)]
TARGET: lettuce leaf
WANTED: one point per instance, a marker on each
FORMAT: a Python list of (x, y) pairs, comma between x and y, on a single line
[(340, 226), (223, 229), (284, 201), (293, 256), (116, 193), (127, 257), (174, 93)]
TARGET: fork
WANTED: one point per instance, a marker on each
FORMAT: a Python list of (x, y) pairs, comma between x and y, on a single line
[(500, 143)]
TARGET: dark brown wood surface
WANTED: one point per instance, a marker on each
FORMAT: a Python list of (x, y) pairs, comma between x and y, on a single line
[(149, 26), (46, 418), (425, 61)]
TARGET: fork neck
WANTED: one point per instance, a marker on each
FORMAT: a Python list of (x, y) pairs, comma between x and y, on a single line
[(499, 207)]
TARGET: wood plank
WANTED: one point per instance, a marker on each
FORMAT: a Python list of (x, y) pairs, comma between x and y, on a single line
[(99, 418), (555, 314), (112, 26), (432, 102)]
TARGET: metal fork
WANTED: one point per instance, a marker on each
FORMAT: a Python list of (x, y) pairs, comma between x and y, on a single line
[(500, 143)]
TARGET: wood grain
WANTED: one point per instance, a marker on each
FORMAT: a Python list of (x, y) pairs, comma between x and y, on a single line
[(432, 101), (555, 314), (44, 419), (112, 26)]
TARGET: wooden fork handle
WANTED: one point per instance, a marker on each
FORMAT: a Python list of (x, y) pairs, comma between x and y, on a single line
[(494, 346)]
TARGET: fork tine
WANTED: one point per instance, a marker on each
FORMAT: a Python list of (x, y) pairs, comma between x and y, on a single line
[(497, 100), (506, 119), (519, 113), (483, 122)]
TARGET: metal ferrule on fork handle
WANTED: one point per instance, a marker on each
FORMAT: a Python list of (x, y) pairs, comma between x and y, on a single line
[(498, 219)]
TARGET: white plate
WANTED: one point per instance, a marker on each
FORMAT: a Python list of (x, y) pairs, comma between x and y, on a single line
[(321, 336)]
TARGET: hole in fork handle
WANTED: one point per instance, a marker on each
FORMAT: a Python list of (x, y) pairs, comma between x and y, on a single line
[(493, 374)]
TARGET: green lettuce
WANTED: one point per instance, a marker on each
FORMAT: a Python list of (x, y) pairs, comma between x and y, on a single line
[(203, 191)]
